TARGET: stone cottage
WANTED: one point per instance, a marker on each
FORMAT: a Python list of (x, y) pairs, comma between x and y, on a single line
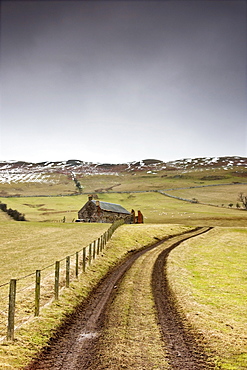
[(98, 211)]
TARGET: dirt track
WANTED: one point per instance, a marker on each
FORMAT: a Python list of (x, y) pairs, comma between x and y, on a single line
[(78, 344)]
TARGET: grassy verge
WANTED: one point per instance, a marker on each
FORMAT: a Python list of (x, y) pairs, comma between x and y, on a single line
[(33, 336), (208, 275)]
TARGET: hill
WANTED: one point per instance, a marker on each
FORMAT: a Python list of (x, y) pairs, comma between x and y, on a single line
[(19, 178)]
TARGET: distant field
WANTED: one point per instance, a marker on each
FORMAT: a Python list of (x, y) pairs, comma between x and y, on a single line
[(156, 208), (217, 195), (208, 275), (47, 208), (58, 183)]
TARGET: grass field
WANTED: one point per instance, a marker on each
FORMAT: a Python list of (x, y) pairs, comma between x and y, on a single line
[(208, 275), (155, 207), (29, 246), (150, 181), (209, 278), (216, 195), (31, 337), (124, 181), (47, 209)]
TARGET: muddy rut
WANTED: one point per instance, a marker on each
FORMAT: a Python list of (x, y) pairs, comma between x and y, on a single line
[(79, 343)]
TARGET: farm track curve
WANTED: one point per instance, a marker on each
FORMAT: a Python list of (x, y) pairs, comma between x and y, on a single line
[(76, 345)]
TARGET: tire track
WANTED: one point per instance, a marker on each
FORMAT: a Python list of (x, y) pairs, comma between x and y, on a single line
[(184, 345), (74, 346)]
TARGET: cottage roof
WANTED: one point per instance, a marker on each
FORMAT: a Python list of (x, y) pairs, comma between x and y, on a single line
[(111, 207)]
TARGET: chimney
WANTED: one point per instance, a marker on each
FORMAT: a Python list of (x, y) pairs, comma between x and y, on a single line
[(90, 197), (97, 203)]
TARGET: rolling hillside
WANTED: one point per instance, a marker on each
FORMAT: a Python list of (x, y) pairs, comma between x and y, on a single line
[(54, 178), (42, 172), (153, 186)]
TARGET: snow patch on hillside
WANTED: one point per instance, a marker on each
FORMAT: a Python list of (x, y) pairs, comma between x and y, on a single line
[(42, 172)]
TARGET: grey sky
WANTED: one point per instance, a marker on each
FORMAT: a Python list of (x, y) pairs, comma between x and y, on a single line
[(117, 81)]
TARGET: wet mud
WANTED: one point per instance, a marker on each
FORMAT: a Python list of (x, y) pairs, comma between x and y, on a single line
[(75, 343)]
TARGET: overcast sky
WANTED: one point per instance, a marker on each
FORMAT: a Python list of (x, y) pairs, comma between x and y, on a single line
[(119, 81)]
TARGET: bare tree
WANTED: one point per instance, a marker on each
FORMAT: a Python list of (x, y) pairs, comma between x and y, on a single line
[(243, 198)]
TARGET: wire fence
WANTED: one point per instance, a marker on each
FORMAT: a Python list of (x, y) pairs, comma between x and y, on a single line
[(22, 299)]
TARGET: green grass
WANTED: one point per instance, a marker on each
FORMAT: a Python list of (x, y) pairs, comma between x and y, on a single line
[(212, 295), (30, 246), (34, 335), (47, 208), (208, 275), (137, 343), (216, 195), (155, 207)]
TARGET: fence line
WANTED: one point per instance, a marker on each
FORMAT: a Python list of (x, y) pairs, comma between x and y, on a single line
[(25, 301)]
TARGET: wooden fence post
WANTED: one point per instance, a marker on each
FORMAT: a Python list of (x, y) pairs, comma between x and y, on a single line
[(94, 251), (11, 313), (100, 243), (57, 268), (98, 246), (77, 264), (90, 254), (37, 292), (67, 271), (84, 259)]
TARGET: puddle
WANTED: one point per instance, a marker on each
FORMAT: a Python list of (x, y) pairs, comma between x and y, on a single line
[(84, 336)]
